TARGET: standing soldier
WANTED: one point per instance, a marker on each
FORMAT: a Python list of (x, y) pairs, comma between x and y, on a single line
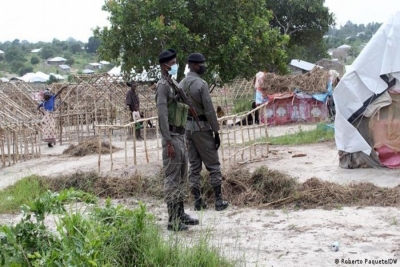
[(172, 117), (202, 143)]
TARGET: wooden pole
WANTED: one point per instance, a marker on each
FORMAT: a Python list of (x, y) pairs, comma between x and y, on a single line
[(126, 148), (61, 121), (2, 140), (134, 144), (9, 147), (111, 153), (145, 143), (99, 159)]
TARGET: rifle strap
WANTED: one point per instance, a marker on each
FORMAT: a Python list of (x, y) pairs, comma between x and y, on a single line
[(186, 86)]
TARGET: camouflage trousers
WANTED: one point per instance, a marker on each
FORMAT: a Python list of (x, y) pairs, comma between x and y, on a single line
[(201, 148), (175, 169)]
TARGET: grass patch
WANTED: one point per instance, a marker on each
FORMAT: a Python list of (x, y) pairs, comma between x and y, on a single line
[(242, 105), (321, 134), (20, 193), (107, 235)]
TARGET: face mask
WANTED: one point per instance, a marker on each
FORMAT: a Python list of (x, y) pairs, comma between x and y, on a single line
[(202, 69), (173, 70)]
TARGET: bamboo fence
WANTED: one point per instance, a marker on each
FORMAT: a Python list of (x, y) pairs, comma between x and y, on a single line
[(240, 143), (94, 106)]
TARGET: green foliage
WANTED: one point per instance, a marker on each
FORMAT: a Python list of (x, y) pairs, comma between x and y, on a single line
[(15, 66), (93, 44), (235, 36), (20, 193), (70, 61), (242, 105), (47, 52), (355, 35), (52, 79), (35, 60), (14, 53), (25, 69), (305, 22), (75, 48), (97, 236)]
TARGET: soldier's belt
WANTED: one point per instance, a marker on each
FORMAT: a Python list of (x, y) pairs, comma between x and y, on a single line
[(175, 129), (201, 118)]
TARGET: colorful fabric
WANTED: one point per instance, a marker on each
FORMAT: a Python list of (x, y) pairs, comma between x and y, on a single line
[(48, 127), (49, 104), (259, 98)]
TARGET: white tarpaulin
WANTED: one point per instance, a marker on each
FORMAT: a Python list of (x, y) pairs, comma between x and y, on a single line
[(359, 86)]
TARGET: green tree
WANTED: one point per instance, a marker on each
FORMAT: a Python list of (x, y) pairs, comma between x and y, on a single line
[(35, 60), (47, 52), (235, 36), (305, 21), (75, 48), (25, 69), (92, 45), (70, 61), (14, 53), (16, 65)]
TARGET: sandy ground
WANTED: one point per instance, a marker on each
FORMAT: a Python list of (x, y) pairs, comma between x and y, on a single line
[(256, 237)]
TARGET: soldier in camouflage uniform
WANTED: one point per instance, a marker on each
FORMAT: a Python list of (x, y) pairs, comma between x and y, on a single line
[(172, 116), (202, 143)]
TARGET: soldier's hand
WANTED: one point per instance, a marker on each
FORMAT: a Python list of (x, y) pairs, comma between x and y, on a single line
[(170, 150), (217, 140)]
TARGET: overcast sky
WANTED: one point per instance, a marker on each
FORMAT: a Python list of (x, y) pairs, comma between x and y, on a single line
[(43, 20)]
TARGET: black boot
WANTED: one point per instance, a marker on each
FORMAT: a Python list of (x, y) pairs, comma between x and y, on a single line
[(185, 218), (199, 204), (174, 222), (220, 204)]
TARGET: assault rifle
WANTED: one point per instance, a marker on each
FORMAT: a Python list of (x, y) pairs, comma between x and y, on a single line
[(182, 95)]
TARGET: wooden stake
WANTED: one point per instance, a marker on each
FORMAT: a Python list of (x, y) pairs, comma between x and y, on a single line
[(145, 143), (99, 159), (110, 140)]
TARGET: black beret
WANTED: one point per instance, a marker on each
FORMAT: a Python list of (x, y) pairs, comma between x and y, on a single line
[(166, 55), (196, 57)]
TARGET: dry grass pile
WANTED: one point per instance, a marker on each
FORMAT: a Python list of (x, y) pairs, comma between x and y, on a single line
[(113, 187), (269, 188), (310, 82), (263, 188), (89, 147)]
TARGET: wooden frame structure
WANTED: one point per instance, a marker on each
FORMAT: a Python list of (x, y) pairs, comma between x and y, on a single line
[(94, 106)]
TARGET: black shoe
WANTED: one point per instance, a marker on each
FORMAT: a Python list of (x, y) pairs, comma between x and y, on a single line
[(177, 226), (185, 218), (199, 204), (49, 145), (174, 222), (220, 204)]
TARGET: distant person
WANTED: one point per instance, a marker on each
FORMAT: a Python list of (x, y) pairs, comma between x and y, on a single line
[(332, 83), (47, 107), (133, 104)]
